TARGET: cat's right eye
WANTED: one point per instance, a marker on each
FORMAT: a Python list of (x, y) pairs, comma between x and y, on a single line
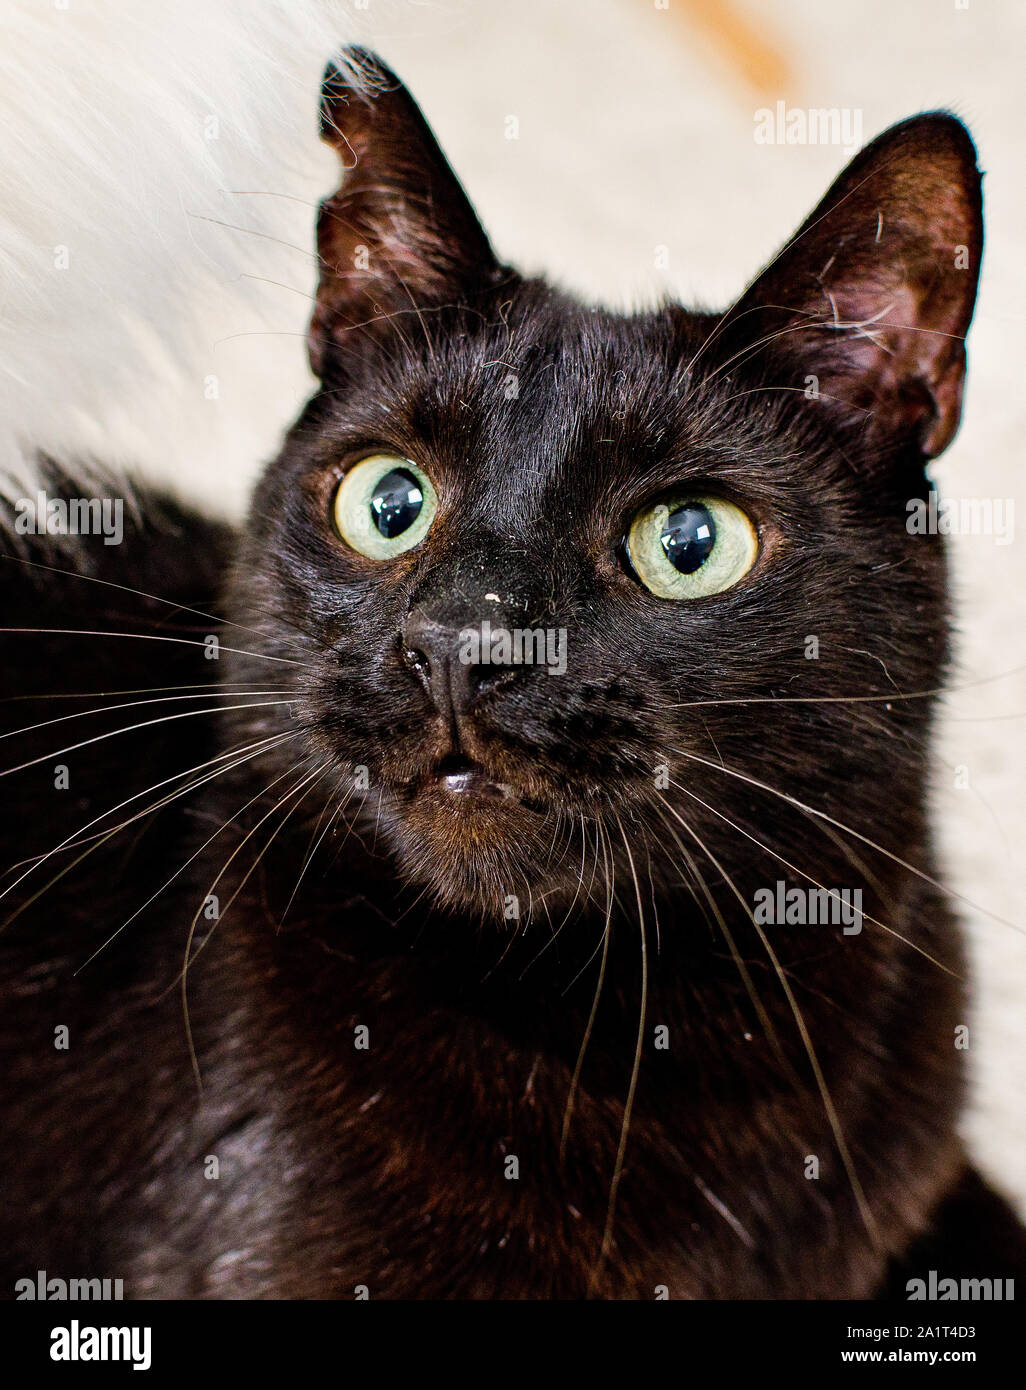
[(384, 505), (691, 548)]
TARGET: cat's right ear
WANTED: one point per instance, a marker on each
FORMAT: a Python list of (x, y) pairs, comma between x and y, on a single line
[(871, 299), (399, 236)]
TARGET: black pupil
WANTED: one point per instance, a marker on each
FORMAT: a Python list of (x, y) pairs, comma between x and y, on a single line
[(396, 502), (688, 536)]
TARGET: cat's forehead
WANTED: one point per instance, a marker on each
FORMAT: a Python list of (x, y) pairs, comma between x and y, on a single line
[(545, 394)]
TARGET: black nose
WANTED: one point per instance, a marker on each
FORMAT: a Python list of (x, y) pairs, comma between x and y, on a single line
[(445, 660)]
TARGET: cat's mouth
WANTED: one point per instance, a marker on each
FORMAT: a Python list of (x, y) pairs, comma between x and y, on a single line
[(456, 790), (460, 777), (465, 784)]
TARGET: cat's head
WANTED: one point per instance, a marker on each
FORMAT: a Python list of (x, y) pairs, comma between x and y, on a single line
[(692, 525)]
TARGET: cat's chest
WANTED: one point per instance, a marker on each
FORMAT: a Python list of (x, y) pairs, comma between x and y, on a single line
[(405, 1120), (375, 1133)]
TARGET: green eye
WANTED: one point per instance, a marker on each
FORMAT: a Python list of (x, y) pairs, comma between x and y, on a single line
[(384, 505), (691, 548)]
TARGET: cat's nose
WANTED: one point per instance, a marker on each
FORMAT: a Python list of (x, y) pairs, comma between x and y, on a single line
[(445, 661)]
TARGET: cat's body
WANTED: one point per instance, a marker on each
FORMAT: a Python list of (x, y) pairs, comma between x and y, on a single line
[(524, 1041)]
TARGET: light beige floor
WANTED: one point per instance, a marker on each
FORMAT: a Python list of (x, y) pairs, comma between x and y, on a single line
[(636, 130)]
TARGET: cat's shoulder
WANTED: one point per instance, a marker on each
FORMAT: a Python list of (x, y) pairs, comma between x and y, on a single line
[(79, 522), (92, 570)]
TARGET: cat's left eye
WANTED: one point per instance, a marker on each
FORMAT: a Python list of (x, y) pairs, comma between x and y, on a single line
[(692, 547), (384, 505)]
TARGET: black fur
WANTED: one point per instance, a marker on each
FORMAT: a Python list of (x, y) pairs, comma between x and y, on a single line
[(386, 1166)]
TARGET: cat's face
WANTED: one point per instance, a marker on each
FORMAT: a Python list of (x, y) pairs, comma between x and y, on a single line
[(666, 517)]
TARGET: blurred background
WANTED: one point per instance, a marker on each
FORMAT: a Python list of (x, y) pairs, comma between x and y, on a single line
[(608, 143)]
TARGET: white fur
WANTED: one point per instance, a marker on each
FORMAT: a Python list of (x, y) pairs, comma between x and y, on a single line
[(129, 131)]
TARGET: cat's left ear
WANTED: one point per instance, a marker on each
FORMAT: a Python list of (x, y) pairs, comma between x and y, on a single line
[(873, 296), (399, 235)]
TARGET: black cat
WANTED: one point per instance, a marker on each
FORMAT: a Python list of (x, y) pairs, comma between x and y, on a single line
[(413, 929)]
